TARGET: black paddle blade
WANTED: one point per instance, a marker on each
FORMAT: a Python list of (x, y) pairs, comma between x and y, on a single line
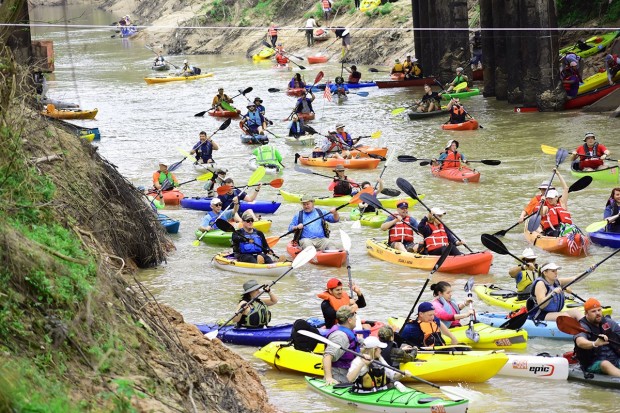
[(494, 244), (500, 233), (375, 156), (515, 323), (391, 192), (407, 188), (371, 200), (224, 225), (406, 158), (200, 114), (225, 124), (273, 89), (310, 130), (425, 163), (247, 90), (442, 259), (534, 222), (372, 69), (301, 67), (491, 162), (175, 165), (580, 184)]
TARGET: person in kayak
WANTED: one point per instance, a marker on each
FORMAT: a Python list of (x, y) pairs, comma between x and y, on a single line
[(571, 79), (203, 149), (268, 156), (249, 244), (281, 59), (548, 285), (426, 331), (364, 207), (431, 101), (612, 67), (235, 195), (341, 184), (297, 82), (339, 143), (187, 69), (436, 238), (450, 158), (400, 231), (446, 309), (317, 232), (159, 60), (304, 103), (296, 127), (354, 75), (219, 98), (591, 155), (339, 88), (612, 209), (393, 354), (555, 220), (411, 68), (164, 179), (209, 220), (534, 203), (457, 111), (336, 362), (525, 274), (598, 356), (398, 68), (253, 122), (335, 296), (458, 79), (256, 315), (259, 106)]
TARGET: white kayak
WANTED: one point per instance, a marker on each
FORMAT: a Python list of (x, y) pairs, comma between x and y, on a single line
[(535, 367), (305, 140), (269, 169), (203, 168)]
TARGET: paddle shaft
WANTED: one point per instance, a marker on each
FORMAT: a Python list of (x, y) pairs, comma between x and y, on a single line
[(503, 232), (559, 160), (308, 171), (362, 209), (377, 204), (569, 325)]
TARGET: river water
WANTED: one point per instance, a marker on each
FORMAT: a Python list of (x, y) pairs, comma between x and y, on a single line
[(141, 124)]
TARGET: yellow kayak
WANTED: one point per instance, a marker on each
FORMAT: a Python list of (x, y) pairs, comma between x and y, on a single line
[(264, 54), (229, 263), (164, 79), (458, 367), (368, 5), (596, 81), (51, 111)]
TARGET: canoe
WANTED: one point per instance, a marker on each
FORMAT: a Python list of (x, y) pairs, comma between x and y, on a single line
[(507, 299), (321, 86), (368, 5), (605, 239), (473, 264), (306, 116), (589, 98), (535, 367), (296, 91), (368, 219), (225, 113), (608, 175), (204, 204), (546, 329), (164, 79), (222, 238), (229, 263), (422, 115), (573, 245), (463, 94), (160, 68), (52, 112), (264, 54), (397, 76), (317, 59), (328, 258), (463, 174), (602, 380), (171, 197), (597, 43), (596, 81), (270, 169), (401, 399), (471, 124), (283, 67), (320, 35), (339, 200), (491, 338), (305, 140), (256, 139), (458, 367), (384, 84), (171, 225), (359, 163)]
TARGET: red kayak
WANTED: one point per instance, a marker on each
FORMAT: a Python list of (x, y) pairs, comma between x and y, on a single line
[(296, 91), (171, 197), (225, 113), (317, 59), (471, 124), (462, 174), (589, 98), (331, 258)]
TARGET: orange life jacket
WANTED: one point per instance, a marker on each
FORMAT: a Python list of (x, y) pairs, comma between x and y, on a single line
[(431, 330), (438, 237), (453, 160), (281, 59), (401, 232), (336, 303), (555, 216), (273, 31)]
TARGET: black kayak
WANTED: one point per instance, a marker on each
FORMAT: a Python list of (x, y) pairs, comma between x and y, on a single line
[(160, 68), (602, 380), (421, 115)]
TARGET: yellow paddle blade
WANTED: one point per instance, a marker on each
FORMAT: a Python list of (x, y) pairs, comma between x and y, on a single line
[(89, 137), (256, 176), (184, 153), (595, 226), (398, 111), (205, 177), (549, 150), (460, 87), (376, 134), (196, 243)]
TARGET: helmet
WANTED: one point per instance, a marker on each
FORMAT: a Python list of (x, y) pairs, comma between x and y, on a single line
[(185, 61)]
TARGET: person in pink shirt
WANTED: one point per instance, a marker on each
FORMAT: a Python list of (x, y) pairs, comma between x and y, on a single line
[(446, 309)]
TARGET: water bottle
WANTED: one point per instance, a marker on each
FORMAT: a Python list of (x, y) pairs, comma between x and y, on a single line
[(401, 387)]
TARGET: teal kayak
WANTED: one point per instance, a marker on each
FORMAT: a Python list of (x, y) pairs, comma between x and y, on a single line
[(369, 219)]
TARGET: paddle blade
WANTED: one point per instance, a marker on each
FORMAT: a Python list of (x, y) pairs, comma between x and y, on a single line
[(376, 134), (310, 130), (224, 225), (227, 122), (534, 223), (549, 150), (357, 197), (580, 184), (398, 111), (595, 226), (391, 192), (442, 259), (406, 158), (304, 256), (515, 323), (469, 285), (318, 77), (407, 188), (425, 163), (205, 177), (472, 334), (460, 393), (228, 107), (346, 240), (371, 200), (569, 325), (224, 189), (175, 165), (247, 90), (272, 241), (303, 170), (373, 70), (357, 224), (276, 183), (560, 156), (492, 162), (258, 174), (200, 114), (363, 94), (273, 90), (494, 244), (184, 153)]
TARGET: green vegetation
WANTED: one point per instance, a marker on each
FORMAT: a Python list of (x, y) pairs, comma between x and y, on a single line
[(575, 12)]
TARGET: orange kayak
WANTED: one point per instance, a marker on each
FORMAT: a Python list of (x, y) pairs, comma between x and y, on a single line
[(471, 124), (224, 113), (332, 258), (559, 245), (359, 151), (317, 59), (463, 174), (296, 91), (171, 197), (355, 163)]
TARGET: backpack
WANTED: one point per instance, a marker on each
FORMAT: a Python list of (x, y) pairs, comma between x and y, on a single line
[(197, 70), (301, 342)]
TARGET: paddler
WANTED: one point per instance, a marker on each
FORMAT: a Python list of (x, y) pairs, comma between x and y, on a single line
[(317, 232), (534, 203), (257, 315), (209, 220), (164, 179), (364, 207), (253, 122), (304, 103), (549, 286), (571, 79), (335, 296), (458, 79), (458, 114), (249, 244), (450, 158), (446, 309), (296, 127), (354, 75), (235, 195), (297, 82), (591, 155), (400, 231), (430, 101), (436, 238), (412, 69), (342, 185), (556, 221), (612, 208), (426, 330), (259, 106), (336, 362), (272, 35), (398, 68), (612, 67), (219, 98), (268, 156), (525, 274), (204, 149), (339, 88)]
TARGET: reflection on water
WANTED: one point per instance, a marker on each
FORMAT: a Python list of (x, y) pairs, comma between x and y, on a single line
[(141, 124)]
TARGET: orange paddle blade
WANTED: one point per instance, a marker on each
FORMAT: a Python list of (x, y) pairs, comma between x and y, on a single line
[(272, 241), (223, 189), (356, 198), (276, 183)]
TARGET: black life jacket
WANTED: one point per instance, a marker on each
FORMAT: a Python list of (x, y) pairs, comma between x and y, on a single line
[(342, 187), (301, 342)]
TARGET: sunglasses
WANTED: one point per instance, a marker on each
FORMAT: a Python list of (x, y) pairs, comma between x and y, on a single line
[(217, 205), (249, 220)]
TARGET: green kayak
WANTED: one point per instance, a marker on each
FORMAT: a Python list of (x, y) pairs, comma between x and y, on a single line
[(215, 237), (607, 175), (369, 219), (590, 46), (463, 94), (390, 400)]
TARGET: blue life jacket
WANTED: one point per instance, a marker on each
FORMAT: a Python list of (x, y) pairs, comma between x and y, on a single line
[(246, 247)]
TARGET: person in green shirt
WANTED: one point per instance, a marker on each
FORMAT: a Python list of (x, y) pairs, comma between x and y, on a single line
[(268, 155)]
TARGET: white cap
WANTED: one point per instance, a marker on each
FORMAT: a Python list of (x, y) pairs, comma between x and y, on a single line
[(163, 162), (552, 193), (373, 342), (437, 211), (528, 253), (550, 266), (215, 201), (408, 54), (459, 69), (185, 61), (450, 142)]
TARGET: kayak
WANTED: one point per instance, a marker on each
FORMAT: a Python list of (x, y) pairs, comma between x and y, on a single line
[(321, 86), (368, 5), (355, 163), (589, 98), (368, 219), (270, 169), (264, 54), (401, 399), (536, 367), (306, 116), (317, 59), (160, 68), (397, 76), (230, 263), (457, 367), (283, 67), (304, 140), (219, 113), (491, 338), (204, 204), (256, 139), (171, 225), (608, 175), (602, 380), (327, 258), (320, 35), (464, 94), (202, 168), (254, 336), (384, 84), (164, 79), (222, 238), (507, 299), (171, 197), (339, 200), (547, 329), (471, 124), (596, 81), (51, 112), (296, 91), (596, 44), (573, 245), (363, 151), (605, 239), (423, 115), (472, 264), (463, 174)]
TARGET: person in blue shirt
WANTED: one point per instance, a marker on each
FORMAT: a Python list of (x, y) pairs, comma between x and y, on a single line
[(339, 88), (204, 148), (208, 222), (259, 106), (315, 233), (254, 122), (426, 330), (304, 103), (235, 195), (296, 127)]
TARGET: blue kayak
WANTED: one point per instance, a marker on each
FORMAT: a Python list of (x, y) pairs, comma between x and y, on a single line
[(321, 87), (547, 329), (204, 204), (254, 139), (171, 225), (606, 239)]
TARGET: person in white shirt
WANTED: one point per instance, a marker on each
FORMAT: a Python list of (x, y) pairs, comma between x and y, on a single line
[(310, 25)]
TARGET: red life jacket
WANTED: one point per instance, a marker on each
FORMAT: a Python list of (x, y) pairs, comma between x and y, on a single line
[(453, 160), (547, 204), (401, 232), (589, 162), (438, 237), (273, 31), (555, 216), (281, 59), (614, 62)]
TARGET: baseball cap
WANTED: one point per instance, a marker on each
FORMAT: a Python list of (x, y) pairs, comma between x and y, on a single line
[(450, 142), (215, 201), (163, 162), (340, 125), (589, 135), (459, 69), (425, 306), (403, 204), (437, 211), (552, 193), (550, 266), (373, 342), (333, 283), (247, 214), (591, 303), (344, 313)]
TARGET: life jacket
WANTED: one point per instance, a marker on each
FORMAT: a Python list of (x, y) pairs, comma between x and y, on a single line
[(344, 362), (615, 62), (204, 150), (417, 70), (272, 31), (161, 177), (524, 280), (281, 59), (335, 145), (398, 68), (213, 217), (556, 215), (246, 247), (219, 99), (590, 162), (450, 307), (343, 187), (326, 4), (556, 304), (304, 105), (254, 120), (457, 114), (432, 334), (438, 237), (453, 160), (587, 357), (458, 79), (296, 128), (372, 381), (266, 155), (324, 224), (259, 316), (345, 138), (401, 232), (334, 302)]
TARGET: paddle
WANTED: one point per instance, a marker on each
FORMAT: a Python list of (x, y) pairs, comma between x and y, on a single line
[(398, 111), (317, 79), (453, 392), (503, 232), (301, 259), (203, 177), (374, 135), (358, 224), (247, 90), (254, 178), (291, 54), (518, 321), (373, 70), (595, 226), (534, 222), (569, 325), (407, 188), (370, 199), (165, 185), (276, 183), (550, 150), (471, 333), (497, 246), (309, 172), (346, 244), (492, 162)]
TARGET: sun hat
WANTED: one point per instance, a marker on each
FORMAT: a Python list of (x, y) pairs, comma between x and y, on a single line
[(307, 198), (215, 201), (185, 61), (247, 214), (339, 168), (591, 303), (403, 204), (528, 254), (550, 266), (425, 306), (333, 283), (340, 125), (552, 193), (373, 342), (397, 60), (438, 211), (544, 185), (251, 105), (589, 135), (259, 99), (450, 142), (250, 286)]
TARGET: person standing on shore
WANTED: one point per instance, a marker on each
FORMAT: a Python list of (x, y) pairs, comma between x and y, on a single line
[(310, 25)]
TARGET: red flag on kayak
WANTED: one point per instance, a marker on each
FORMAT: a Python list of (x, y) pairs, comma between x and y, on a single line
[(328, 93)]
